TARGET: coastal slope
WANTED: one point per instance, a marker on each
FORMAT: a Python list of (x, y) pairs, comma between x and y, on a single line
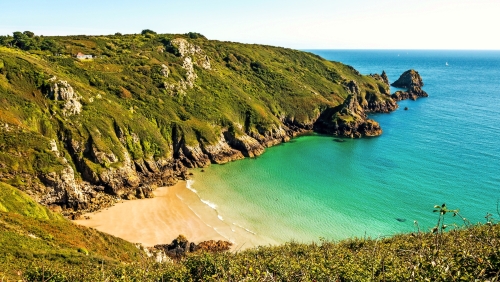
[(88, 120)]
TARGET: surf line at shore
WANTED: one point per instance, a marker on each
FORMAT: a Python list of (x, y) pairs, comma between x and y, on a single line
[(174, 210), (214, 207)]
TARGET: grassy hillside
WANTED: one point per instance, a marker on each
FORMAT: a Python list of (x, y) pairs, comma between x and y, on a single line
[(148, 106), (31, 234)]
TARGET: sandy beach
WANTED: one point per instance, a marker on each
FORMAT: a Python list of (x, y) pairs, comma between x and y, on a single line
[(153, 221), (174, 210)]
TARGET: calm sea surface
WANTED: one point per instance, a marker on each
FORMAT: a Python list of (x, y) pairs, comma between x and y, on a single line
[(444, 149)]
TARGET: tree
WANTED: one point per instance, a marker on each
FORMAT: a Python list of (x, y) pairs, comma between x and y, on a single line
[(51, 45), (147, 31), (29, 34), (6, 40), (195, 35), (21, 40)]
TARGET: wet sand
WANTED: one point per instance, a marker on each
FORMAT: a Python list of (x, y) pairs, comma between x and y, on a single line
[(157, 220)]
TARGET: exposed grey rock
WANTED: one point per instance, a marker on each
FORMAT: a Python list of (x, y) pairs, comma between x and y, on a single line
[(196, 52), (62, 91), (190, 73), (221, 152), (165, 71), (247, 145)]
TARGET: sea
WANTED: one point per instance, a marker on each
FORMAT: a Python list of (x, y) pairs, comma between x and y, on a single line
[(445, 149)]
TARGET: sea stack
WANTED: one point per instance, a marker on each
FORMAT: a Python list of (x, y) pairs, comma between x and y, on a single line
[(412, 82)]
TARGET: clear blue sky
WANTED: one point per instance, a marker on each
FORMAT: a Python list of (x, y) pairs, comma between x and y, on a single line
[(329, 24)]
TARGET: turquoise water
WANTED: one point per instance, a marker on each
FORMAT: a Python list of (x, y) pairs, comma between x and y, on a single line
[(445, 148)]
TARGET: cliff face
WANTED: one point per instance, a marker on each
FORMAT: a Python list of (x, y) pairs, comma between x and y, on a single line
[(347, 120), (77, 136)]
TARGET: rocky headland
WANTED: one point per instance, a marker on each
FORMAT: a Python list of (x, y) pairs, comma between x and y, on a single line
[(79, 136)]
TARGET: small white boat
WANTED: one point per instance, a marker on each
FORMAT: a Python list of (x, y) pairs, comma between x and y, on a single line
[(446, 63)]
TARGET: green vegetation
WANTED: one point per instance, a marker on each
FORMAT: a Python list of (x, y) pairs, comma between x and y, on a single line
[(54, 249), (145, 96), (31, 234)]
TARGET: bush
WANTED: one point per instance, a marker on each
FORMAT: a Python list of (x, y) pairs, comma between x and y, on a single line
[(147, 31)]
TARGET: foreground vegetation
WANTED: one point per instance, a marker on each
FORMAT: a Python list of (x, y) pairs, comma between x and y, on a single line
[(38, 245)]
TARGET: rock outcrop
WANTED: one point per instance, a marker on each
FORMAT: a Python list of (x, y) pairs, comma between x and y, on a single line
[(347, 120), (247, 145), (375, 105), (192, 55), (413, 83), (68, 193), (384, 87), (221, 152), (181, 246), (61, 90)]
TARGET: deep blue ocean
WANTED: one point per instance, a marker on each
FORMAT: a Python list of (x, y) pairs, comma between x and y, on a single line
[(443, 149)]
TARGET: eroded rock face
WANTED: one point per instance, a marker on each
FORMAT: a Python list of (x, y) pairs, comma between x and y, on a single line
[(221, 152), (347, 120), (249, 146), (61, 90), (413, 83), (193, 156), (353, 88), (187, 49), (121, 179), (191, 75), (192, 55), (385, 80), (70, 194)]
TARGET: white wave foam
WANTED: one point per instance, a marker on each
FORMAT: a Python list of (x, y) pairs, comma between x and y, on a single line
[(189, 184), (210, 204), (220, 217), (247, 230)]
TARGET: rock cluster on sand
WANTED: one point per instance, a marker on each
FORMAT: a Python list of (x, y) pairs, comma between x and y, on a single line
[(180, 246)]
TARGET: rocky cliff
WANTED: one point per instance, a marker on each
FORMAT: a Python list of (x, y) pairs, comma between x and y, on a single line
[(412, 82), (77, 136), (347, 120)]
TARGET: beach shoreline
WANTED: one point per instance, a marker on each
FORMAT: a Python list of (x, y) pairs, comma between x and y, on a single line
[(175, 210), (154, 221)]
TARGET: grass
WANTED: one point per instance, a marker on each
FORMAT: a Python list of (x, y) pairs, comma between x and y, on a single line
[(30, 233), (127, 111)]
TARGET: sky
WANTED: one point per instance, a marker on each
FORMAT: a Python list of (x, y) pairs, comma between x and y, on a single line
[(312, 24)]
